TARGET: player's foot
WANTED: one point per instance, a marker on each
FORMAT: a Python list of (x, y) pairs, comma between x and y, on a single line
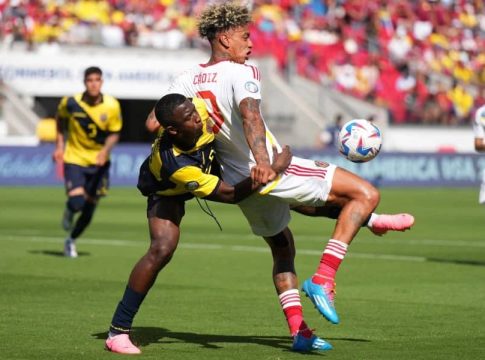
[(70, 248), (397, 222), (67, 219), (121, 344), (322, 297), (301, 343)]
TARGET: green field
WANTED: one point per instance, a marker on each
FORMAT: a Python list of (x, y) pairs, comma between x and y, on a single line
[(413, 295)]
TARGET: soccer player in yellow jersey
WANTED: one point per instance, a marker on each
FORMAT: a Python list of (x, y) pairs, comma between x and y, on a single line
[(178, 169), (88, 127)]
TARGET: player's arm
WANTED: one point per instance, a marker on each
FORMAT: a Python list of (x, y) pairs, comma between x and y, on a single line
[(255, 133), (226, 193), (61, 127), (103, 155), (114, 127), (151, 123)]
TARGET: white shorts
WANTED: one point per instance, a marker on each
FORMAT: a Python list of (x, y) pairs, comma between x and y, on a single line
[(305, 182), (481, 197)]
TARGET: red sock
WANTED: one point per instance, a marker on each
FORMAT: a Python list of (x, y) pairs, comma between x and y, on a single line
[(291, 305), (332, 256)]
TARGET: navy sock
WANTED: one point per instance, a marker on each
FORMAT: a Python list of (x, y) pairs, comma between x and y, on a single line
[(126, 311), (75, 203), (84, 219)]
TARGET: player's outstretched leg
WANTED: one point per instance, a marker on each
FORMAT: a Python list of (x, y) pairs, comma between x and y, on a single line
[(381, 224), (357, 200)]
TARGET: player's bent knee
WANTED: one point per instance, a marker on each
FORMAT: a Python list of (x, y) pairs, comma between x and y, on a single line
[(162, 252), (371, 196)]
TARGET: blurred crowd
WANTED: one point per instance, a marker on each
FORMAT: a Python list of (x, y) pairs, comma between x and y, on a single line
[(420, 58)]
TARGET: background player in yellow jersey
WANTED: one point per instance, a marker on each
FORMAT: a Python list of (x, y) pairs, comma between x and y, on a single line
[(88, 127), (178, 169)]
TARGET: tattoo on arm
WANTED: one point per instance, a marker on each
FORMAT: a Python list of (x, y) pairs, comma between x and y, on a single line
[(254, 129)]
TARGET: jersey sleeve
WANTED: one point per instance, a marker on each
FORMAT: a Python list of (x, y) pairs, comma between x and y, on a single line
[(195, 180), (116, 120), (246, 83), (479, 123)]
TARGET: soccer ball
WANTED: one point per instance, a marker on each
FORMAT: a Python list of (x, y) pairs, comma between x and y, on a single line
[(359, 140)]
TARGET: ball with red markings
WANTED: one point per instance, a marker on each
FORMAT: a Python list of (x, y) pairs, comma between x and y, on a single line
[(359, 140)]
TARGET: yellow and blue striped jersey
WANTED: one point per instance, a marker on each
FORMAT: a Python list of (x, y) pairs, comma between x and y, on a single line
[(88, 127), (178, 172)]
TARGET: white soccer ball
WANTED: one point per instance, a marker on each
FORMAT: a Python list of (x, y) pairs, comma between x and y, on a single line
[(359, 140)]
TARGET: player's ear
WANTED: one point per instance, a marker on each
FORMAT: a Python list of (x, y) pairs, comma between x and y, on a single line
[(223, 39), (171, 130)]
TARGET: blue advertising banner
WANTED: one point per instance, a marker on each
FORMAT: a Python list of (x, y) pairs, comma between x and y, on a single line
[(33, 166)]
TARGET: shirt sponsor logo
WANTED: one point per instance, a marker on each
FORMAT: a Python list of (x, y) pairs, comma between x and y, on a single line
[(251, 87), (192, 185)]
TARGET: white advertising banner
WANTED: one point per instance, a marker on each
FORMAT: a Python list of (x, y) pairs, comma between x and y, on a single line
[(128, 74)]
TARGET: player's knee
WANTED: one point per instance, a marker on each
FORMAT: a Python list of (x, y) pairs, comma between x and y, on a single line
[(162, 251), (372, 196), (75, 203)]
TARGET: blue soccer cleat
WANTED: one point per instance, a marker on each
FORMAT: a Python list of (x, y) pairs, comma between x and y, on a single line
[(302, 344), (322, 301)]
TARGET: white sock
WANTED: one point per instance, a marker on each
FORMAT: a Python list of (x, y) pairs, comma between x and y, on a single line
[(373, 216)]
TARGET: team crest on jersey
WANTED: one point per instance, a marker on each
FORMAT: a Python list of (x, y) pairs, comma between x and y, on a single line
[(103, 117), (321, 164), (191, 185), (251, 87)]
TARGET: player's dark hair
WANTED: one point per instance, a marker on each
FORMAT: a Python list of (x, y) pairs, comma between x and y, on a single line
[(165, 107), (92, 70), (222, 17)]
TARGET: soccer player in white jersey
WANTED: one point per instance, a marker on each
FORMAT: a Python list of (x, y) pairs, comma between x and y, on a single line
[(479, 133), (232, 91)]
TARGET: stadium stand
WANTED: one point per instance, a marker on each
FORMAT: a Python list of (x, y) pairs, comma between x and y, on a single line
[(420, 59)]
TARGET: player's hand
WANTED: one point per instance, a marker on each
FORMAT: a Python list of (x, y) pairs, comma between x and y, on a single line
[(58, 155), (263, 173), (281, 160), (102, 158)]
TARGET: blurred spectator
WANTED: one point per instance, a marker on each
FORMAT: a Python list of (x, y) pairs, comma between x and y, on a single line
[(328, 137)]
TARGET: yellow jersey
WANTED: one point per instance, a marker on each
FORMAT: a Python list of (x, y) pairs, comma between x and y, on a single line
[(170, 171), (88, 126)]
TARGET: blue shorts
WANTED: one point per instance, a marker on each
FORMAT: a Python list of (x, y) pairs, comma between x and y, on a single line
[(94, 179)]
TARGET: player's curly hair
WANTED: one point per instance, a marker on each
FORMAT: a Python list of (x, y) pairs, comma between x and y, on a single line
[(221, 17)]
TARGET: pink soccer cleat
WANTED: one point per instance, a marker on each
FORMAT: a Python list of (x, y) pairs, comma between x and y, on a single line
[(121, 344), (397, 222)]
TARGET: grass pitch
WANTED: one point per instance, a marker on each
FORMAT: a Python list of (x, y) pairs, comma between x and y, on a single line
[(413, 295)]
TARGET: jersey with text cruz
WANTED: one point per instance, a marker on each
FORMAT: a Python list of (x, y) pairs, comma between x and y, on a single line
[(223, 86), (173, 171), (479, 123), (88, 127)]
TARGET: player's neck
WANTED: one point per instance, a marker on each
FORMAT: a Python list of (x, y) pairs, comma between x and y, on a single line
[(218, 55), (92, 100)]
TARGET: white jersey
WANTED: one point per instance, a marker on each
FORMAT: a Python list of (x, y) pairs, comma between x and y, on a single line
[(223, 86), (479, 123)]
